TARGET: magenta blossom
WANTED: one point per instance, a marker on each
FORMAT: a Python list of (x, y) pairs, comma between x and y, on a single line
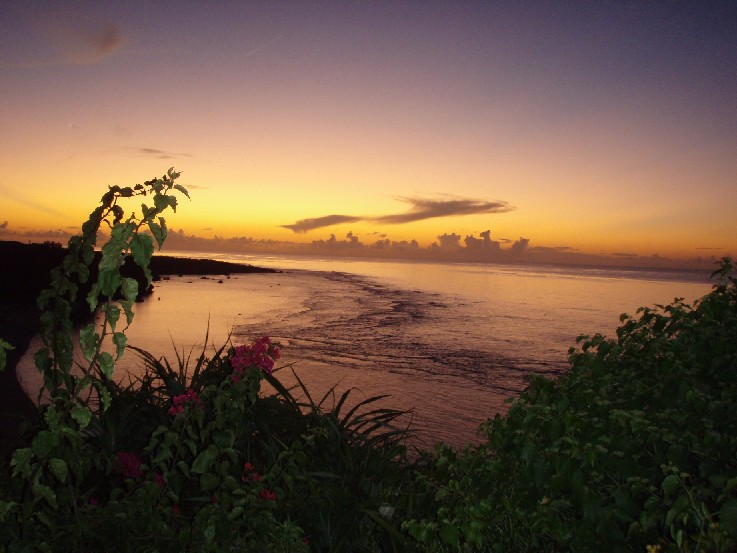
[(181, 400), (261, 354), (129, 464), (267, 495)]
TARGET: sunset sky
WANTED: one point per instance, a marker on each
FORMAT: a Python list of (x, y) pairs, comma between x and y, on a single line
[(569, 130)]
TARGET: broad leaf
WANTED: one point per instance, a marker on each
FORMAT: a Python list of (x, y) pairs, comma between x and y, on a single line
[(82, 415), (120, 340)]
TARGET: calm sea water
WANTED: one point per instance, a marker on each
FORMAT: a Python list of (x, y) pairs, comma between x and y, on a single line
[(451, 342)]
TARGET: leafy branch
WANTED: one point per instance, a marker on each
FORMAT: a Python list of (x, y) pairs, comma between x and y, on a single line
[(112, 292)]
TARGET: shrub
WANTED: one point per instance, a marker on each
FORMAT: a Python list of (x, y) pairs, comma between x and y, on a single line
[(634, 448)]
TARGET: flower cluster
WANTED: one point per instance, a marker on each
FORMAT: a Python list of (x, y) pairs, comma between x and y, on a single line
[(129, 464), (262, 353), (267, 495), (181, 400), (250, 475)]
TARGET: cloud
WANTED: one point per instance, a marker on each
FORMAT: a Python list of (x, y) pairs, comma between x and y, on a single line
[(421, 209), (304, 225), (520, 245), (430, 209), (33, 235), (552, 249), (161, 154), (482, 244), (449, 241), (85, 41)]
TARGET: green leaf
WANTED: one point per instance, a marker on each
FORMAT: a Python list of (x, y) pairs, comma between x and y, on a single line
[(59, 469), (44, 442), (7, 507), (129, 286), (113, 315), (3, 356), (418, 531), (89, 340), (120, 340), (107, 364), (82, 415), (107, 198), (679, 507), (42, 360), (142, 248), (181, 189), (728, 517), (182, 466), (158, 230), (161, 201), (204, 460), (104, 397), (44, 492), (52, 417), (670, 484), (93, 296), (127, 309), (21, 461), (109, 281), (235, 513), (449, 534), (118, 213)]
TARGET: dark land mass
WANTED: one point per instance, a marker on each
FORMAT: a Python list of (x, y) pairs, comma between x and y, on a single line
[(25, 271)]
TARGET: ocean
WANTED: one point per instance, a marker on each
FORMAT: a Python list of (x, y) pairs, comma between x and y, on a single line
[(451, 343)]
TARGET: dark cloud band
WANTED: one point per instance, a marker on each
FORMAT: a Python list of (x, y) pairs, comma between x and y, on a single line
[(421, 209), (429, 209), (304, 225), (161, 154)]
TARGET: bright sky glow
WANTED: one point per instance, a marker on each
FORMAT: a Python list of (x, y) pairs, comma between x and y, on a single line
[(609, 130)]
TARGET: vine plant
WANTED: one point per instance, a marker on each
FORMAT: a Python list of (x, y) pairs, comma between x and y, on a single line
[(75, 390)]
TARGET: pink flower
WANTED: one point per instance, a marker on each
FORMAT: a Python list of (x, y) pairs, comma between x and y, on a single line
[(267, 495), (94, 502), (249, 473), (180, 401), (129, 464), (261, 354)]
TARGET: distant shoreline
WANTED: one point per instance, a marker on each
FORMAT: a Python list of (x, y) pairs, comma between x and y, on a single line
[(24, 272)]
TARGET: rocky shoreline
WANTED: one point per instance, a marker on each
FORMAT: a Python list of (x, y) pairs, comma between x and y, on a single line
[(24, 272)]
